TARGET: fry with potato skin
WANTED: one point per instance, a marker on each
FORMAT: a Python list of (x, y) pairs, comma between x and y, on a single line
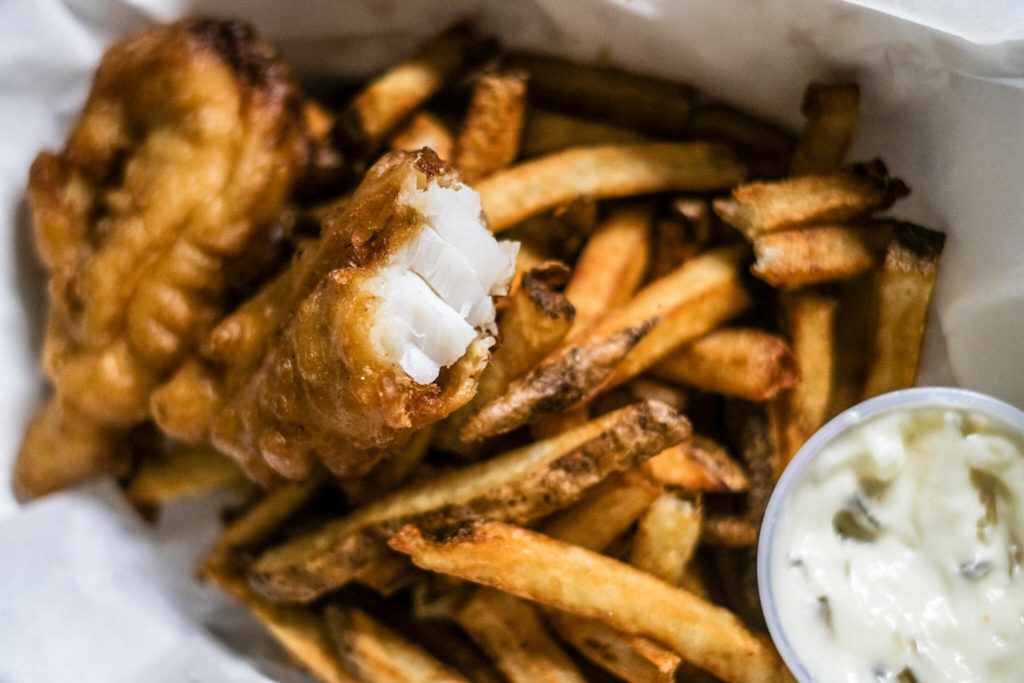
[(518, 486), (489, 138), (698, 464), (904, 292), (742, 362), (534, 566), (832, 113), (790, 259), (603, 172)]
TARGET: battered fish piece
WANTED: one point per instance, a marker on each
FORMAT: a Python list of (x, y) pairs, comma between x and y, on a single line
[(183, 157), (377, 329)]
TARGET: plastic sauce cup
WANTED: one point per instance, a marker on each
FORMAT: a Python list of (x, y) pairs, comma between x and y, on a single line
[(775, 515)]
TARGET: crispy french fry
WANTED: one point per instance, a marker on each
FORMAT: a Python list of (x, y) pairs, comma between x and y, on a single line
[(904, 291), (300, 630), (832, 113), (666, 537), (808, 319), (647, 389), (534, 566), (389, 99), (764, 146), (424, 130), (182, 472), (534, 186), (698, 464), (790, 259), (519, 486), (631, 658), (489, 138), (734, 531), (647, 104), (611, 266), (511, 632), (734, 361), (373, 652), (548, 131), (841, 195)]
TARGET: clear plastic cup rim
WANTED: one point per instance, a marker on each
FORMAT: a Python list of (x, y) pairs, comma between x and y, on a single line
[(904, 399)]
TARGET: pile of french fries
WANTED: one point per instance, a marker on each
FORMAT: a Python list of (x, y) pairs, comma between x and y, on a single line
[(570, 523)]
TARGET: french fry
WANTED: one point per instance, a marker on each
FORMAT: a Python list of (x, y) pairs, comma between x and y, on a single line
[(383, 104), (904, 291), (733, 531), (680, 235), (603, 172), (534, 566), (647, 104), (752, 431), (548, 131), (834, 197), (511, 632), (832, 112), (547, 426), (666, 537), (808, 319), (182, 472), (424, 130), (764, 146), (373, 652), (611, 266), (854, 332), (489, 138), (646, 389), (734, 361), (698, 464), (791, 259), (519, 486)]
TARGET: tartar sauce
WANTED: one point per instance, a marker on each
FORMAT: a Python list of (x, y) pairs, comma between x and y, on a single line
[(898, 555)]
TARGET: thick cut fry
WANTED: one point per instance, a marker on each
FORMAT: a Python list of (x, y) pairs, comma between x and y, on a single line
[(372, 652), (558, 383), (538, 568), (733, 531), (300, 630), (841, 195), (904, 290), (547, 131), (181, 473), (511, 632), (832, 113), (666, 537), (790, 259), (631, 658), (489, 138), (808, 319), (425, 130), (519, 486), (648, 104), (764, 146), (532, 321), (603, 172), (611, 266), (741, 362), (698, 464), (388, 100)]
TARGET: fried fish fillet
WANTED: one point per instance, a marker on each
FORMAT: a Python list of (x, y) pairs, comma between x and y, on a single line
[(181, 161)]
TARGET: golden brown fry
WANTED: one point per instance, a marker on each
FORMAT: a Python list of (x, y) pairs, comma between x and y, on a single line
[(791, 259), (611, 266), (647, 389), (666, 537), (547, 131), (511, 632), (489, 138), (733, 531), (698, 464), (373, 652), (425, 130), (734, 361), (534, 186), (647, 104), (382, 105), (841, 195), (764, 146), (808, 319), (181, 472), (904, 291), (519, 486), (832, 113), (535, 567)]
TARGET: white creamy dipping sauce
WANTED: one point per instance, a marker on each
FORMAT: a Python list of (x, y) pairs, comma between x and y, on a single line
[(898, 554)]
